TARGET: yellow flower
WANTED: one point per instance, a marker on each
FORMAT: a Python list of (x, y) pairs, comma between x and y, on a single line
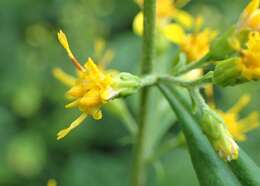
[(236, 126), (250, 18), (93, 85), (249, 64), (196, 44), (89, 91), (165, 13)]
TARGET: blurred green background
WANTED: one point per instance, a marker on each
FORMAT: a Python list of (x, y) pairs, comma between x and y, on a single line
[(32, 101)]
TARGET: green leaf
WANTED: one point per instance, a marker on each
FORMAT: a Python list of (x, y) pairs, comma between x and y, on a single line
[(246, 170), (210, 169)]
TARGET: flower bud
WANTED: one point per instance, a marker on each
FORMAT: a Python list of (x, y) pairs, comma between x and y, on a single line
[(125, 84), (227, 72), (218, 135), (226, 147)]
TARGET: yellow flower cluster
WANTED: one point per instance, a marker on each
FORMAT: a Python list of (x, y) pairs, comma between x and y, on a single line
[(174, 24), (238, 127), (243, 62), (250, 18), (89, 91), (249, 65), (196, 45)]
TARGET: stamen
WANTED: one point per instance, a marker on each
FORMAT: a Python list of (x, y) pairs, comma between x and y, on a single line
[(64, 42)]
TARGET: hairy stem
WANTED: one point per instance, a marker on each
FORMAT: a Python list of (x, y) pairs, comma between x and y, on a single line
[(139, 172), (153, 79)]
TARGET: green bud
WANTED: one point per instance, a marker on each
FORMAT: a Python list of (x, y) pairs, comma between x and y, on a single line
[(227, 73), (226, 147), (213, 126), (126, 84)]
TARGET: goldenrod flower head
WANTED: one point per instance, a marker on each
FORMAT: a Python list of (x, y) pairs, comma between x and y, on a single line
[(236, 126), (250, 18), (244, 67), (250, 63), (89, 91), (195, 45), (93, 87)]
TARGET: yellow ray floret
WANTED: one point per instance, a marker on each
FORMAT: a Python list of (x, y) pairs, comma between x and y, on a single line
[(63, 77), (251, 7), (249, 64), (194, 45), (239, 127), (250, 18), (61, 134), (174, 33)]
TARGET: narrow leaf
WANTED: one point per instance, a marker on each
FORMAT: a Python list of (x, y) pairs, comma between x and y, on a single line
[(210, 169), (246, 170)]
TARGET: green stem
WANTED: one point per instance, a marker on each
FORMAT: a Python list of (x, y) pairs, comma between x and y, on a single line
[(139, 177), (150, 80), (193, 65)]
